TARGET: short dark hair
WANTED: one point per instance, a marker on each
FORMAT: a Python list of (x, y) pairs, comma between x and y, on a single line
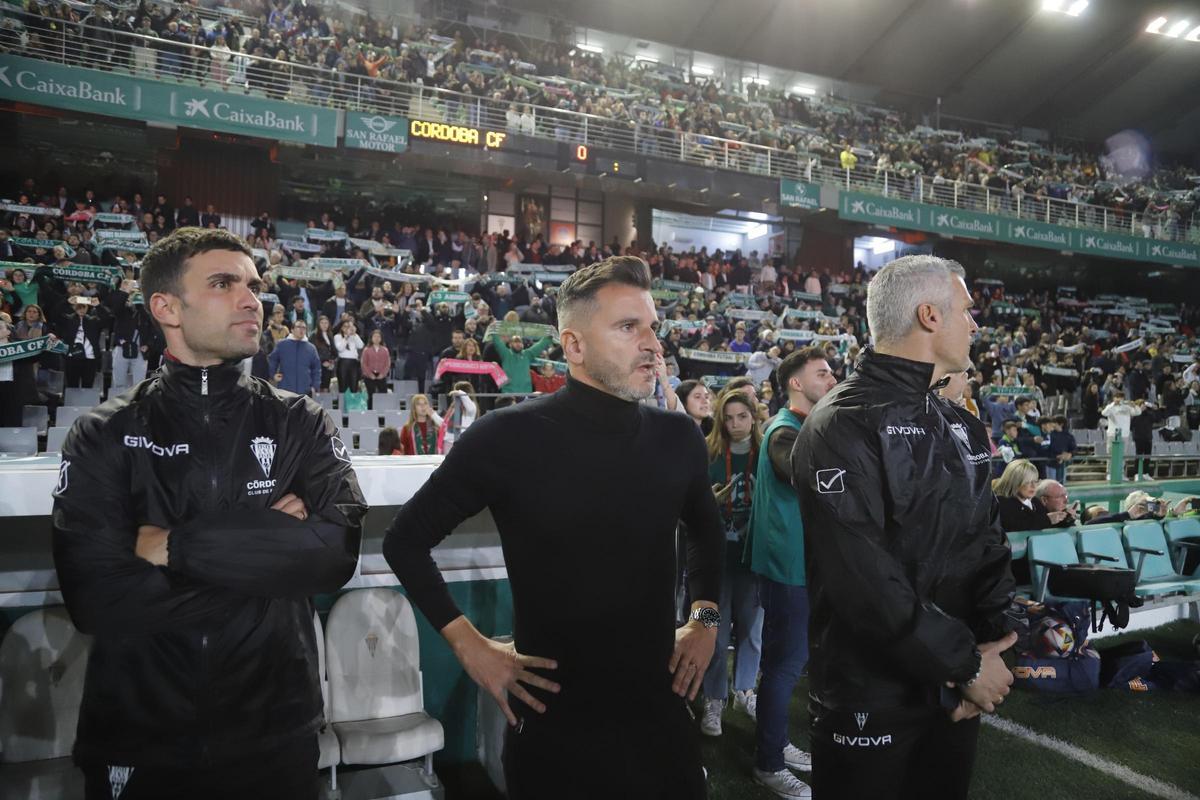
[(793, 363), (740, 382), (389, 440), (578, 292), (163, 267)]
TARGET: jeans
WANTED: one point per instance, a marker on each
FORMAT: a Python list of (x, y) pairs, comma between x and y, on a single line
[(784, 654), (126, 372), (739, 609)]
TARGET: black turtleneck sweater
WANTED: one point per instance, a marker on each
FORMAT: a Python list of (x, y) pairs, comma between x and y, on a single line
[(586, 490)]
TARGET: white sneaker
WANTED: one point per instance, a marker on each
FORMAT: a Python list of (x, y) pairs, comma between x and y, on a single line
[(796, 758), (710, 723), (784, 784), (747, 701)]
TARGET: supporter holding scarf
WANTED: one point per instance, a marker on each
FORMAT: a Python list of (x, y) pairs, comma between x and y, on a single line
[(419, 436)]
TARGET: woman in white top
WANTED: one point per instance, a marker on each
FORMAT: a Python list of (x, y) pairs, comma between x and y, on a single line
[(349, 345), (220, 55)]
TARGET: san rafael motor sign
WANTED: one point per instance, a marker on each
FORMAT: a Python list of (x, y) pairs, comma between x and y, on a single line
[(798, 194), (376, 132), (898, 213), (115, 95)]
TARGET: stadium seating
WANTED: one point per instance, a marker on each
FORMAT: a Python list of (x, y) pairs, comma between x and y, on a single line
[(18, 441), (54, 439), (1045, 551), (65, 416), (81, 398), (1179, 529), (36, 417), (1151, 554), (376, 702), (43, 659), (330, 748)]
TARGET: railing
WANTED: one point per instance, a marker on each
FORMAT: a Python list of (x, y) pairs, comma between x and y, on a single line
[(85, 45)]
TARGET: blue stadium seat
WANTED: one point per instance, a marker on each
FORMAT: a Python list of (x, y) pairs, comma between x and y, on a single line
[(1047, 550), (1150, 555), (55, 438), (1177, 530), (85, 398)]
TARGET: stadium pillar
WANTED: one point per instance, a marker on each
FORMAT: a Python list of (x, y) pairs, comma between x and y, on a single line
[(1116, 460), (643, 222)]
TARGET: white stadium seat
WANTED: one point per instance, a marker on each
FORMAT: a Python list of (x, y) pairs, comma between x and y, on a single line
[(43, 659), (331, 751), (376, 702)]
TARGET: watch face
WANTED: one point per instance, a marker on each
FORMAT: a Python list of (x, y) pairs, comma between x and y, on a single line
[(709, 617)]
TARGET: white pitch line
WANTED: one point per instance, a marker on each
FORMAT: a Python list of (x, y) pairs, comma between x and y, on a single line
[(1145, 783)]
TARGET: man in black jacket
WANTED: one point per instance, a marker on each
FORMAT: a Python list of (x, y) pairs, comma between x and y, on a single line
[(908, 570), (193, 520), (80, 331)]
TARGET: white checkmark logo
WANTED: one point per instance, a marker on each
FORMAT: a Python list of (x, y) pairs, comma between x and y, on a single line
[(829, 481)]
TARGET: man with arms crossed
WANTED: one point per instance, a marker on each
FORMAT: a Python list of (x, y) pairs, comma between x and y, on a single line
[(194, 517), (908, 569), (586, 486)]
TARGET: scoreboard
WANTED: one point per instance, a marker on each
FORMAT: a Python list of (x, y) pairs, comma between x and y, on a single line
[(587, 160)]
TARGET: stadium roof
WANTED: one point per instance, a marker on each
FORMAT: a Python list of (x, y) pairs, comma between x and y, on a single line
[(1004, 61)]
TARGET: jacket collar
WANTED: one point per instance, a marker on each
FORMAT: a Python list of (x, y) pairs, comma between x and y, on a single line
[(190, 382), (601, 409), (901, 373)]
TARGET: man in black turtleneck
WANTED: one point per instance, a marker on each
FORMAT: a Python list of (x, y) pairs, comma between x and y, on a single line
[(586, 486), (194, 517)]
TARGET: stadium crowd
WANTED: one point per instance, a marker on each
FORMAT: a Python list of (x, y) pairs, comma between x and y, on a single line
[(726, 315), (307, 52)]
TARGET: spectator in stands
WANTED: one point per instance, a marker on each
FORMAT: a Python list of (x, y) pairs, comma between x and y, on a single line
[(348, 345), (18, 290), (462, 412), (517, 360), (389, 442), (33, 323), (1062, 446), (1138, 505), (547, 379), (697, 403), (1016, 492), (16, 383), (1054, 499), (1090, 406), (339, 305), (277, 325), (733, 449), (132, 329), (322, 340), (775, 552), (376, 364), (420, 435), (81, 331), (294, 364)]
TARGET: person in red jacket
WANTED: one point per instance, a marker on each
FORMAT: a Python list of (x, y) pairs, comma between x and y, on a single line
[(546, 379)]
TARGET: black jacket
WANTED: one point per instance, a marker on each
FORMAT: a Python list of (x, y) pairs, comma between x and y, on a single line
[(1016, 516), (93, 326), (213, 656), (907, 565)]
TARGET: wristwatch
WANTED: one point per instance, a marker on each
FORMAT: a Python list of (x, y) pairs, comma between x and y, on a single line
[(708, 617), (978, 672)]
